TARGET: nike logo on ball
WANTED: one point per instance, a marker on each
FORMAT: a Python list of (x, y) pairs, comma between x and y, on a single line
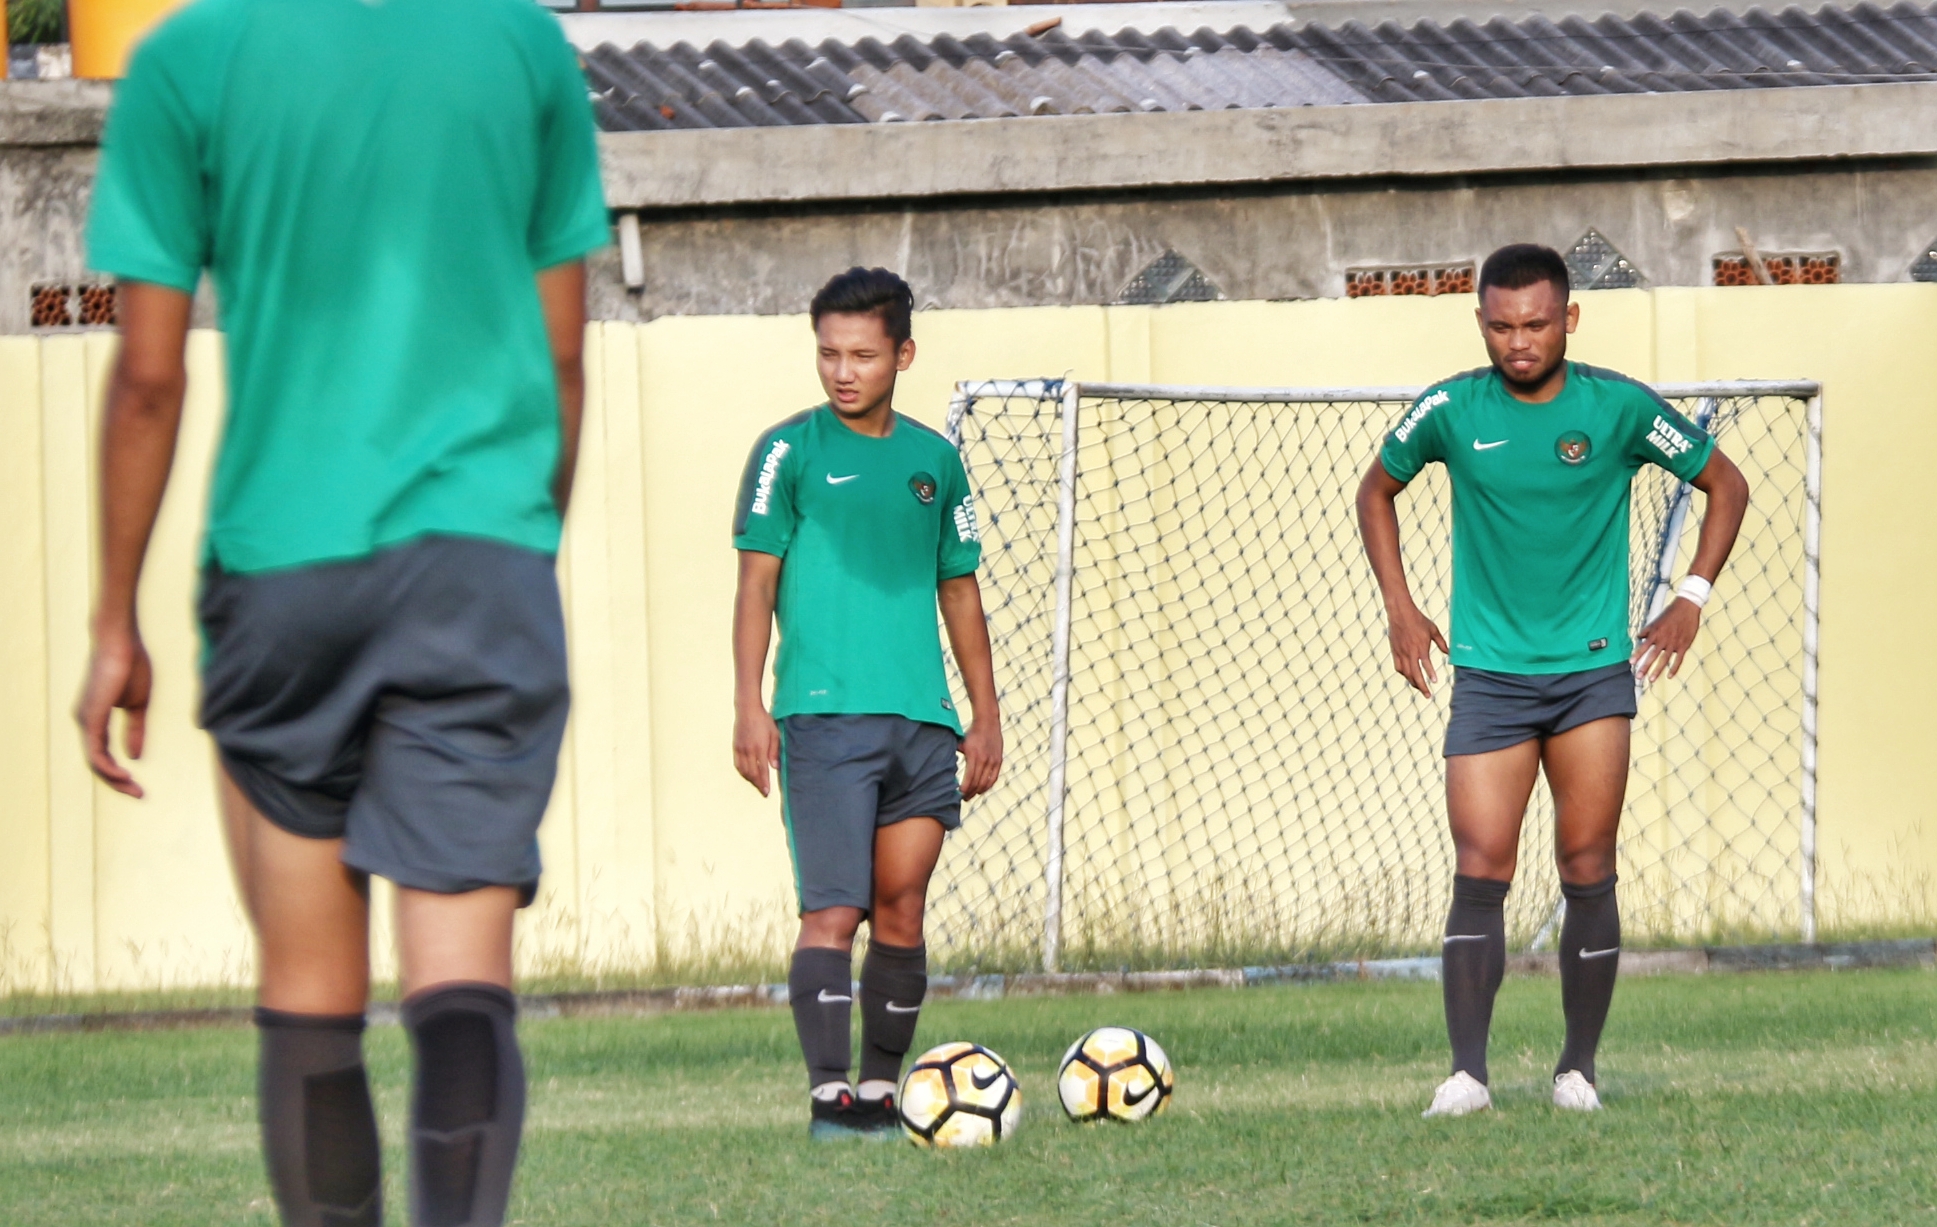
[(827, 998), (902, 1009), (835, 481), (1487, 447), (1595, 954)]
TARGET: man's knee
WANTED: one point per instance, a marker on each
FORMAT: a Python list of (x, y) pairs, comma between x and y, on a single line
[(1585, 865), (832, 927), (897, 916), (1482, 857), (902, 902)]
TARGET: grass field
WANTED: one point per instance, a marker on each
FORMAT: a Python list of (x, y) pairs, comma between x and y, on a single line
[(1781, 1098)]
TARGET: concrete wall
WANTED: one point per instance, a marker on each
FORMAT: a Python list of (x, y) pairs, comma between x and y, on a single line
[(1277, 241), (1270, 204), (654, 847)]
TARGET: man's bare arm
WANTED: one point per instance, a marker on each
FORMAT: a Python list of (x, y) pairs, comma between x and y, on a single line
[(143, 418), (1411, 632), (1663, 644), (756, 738), (968, 638), (561, 292)]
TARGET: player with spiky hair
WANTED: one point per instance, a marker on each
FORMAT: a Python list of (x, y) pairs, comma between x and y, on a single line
[(853, 522), (1541, 452)]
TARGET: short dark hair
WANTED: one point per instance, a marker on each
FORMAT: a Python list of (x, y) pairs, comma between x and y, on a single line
[(868, 291), (1519, 265)]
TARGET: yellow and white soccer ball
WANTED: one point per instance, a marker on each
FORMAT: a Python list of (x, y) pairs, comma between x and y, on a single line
[(1115, 1073), (959, 1095)]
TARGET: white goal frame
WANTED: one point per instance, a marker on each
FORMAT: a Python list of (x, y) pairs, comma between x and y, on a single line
[(1072, 393)]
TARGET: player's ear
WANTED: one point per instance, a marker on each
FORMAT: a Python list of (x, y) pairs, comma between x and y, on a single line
[(1573, 317), (905, 354)]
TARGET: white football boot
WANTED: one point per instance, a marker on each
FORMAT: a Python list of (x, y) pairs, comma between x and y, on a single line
[(1460, 1095), (1575, 1093)]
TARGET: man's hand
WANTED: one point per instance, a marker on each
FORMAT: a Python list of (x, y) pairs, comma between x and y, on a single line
[(1414, 636), (1663, 644), (138, 430), (1413, 633), (981, 751), (756, 747), (118, 676)]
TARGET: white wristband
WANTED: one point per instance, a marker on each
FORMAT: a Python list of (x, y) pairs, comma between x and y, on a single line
[(1694, 589)]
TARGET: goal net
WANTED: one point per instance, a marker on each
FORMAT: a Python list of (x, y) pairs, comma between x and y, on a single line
[(1211, 761)]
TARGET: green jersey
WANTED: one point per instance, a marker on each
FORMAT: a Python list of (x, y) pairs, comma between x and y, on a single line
[(373, 188), (1540, 509), (866, 529)]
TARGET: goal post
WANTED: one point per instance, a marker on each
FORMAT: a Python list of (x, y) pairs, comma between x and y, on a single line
[(1209, 758)]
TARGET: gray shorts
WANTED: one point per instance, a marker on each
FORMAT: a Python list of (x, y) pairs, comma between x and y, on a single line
[(841, 778), (410, 703), (1492, 711)]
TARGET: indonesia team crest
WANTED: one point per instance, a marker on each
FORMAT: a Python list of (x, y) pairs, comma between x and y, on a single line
[(924, 487), (1572, 447)]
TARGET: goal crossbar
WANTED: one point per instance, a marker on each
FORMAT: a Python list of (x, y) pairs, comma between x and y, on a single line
[(1802, 389)]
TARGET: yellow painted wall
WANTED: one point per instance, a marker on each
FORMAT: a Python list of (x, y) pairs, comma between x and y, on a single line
[(654, 847)]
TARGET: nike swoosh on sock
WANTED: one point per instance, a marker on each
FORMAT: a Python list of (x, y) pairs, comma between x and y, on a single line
[(1595, 954), (892, 1008), (827, 998), (1464, 937)]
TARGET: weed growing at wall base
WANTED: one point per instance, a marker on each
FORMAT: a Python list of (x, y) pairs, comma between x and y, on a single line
[(1752, 1099)]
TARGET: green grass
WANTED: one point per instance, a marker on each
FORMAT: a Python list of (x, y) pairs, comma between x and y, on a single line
[(1784, 1098)]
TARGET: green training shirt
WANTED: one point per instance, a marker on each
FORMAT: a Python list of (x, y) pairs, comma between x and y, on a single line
[(865, 528), (1540, 509), (372, 187)]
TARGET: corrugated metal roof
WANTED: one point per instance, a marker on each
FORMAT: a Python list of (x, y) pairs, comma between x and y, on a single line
[(1643, 54), (981, 77)]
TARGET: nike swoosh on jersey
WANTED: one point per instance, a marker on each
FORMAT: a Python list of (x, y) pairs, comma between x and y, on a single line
[(1487, 447), (892, 1008), (827, 998), (1596, 954), (835, 481)]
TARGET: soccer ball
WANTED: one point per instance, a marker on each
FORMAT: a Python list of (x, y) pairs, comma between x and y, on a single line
[(959, 1095), (1114, 1073)]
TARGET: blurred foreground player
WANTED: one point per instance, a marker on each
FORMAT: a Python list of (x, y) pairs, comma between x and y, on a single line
[(392, 200), (853, 522), (1541, 453)]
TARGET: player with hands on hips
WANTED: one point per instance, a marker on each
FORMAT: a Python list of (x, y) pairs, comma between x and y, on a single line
[(1541, 453)]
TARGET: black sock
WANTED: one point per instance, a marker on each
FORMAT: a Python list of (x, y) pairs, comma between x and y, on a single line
[(894, 979), (1473, 958), (469, 1107), (319, 1132), (1590, 954), (820, 985)]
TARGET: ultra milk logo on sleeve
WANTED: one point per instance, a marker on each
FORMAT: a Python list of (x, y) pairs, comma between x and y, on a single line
[(966, 529), (1667, 440)]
